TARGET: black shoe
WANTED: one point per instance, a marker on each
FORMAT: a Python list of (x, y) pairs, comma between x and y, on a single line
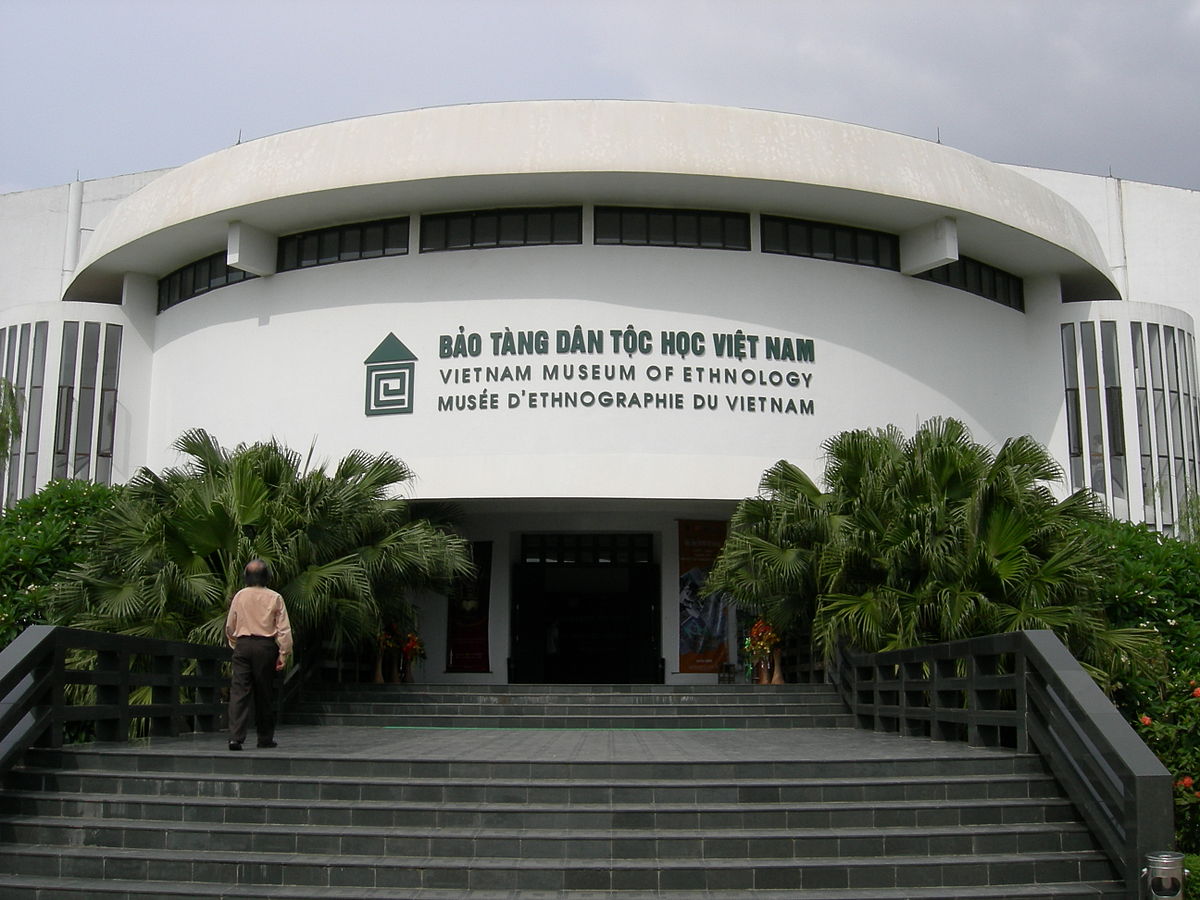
[(267, 745), (235, 745)]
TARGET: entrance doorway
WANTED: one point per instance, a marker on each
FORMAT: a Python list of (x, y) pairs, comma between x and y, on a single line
[(586, 610)]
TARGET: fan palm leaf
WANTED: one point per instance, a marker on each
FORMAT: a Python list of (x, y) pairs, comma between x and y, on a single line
[(342, 546), (923, 539)]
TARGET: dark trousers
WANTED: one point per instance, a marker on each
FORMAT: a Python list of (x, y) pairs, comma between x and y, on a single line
[(253, 684)]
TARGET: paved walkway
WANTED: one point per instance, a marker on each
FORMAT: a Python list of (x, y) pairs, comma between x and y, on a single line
[(562, 745)]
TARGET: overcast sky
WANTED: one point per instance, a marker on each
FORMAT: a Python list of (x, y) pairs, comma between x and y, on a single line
[(107, 87)]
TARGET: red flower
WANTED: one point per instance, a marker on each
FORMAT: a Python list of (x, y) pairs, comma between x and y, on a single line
[(1196, 692), (1145, 720), (1186, 781)]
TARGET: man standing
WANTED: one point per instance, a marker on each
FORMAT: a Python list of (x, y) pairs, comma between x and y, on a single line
[(260, 634)]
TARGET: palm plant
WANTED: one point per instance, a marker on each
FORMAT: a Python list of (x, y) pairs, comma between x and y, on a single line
[(921, 540), (345, 550)]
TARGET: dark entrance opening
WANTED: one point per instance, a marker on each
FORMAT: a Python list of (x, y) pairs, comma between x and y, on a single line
[(586, 610)]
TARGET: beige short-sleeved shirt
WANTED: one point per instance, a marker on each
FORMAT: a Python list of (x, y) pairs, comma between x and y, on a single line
[(259, 612)]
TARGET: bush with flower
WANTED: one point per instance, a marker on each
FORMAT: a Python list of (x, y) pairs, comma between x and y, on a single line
[(1155, 583), (389, 637), (761, 641), (1171, 732), (41, 537), (413, 648)]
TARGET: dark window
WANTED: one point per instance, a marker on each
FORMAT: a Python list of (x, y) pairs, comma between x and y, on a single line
[(20, 384), (64, 414), (308, 249), (351, 244), (660, 229), (821, 240), (511, 229), (458, 233), (538, 229), (33, 406), (433, 233), (202, 276), (843, 242), (342, 243), (395, 237), (107, 424), (567, 223), (372, 241), (487, 228), (86, 408), (607, 226), (487, 231), (329, 246), (636, 226), (980, 279)]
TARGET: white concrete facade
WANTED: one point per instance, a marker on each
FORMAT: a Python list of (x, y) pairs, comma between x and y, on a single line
[(593, 385)]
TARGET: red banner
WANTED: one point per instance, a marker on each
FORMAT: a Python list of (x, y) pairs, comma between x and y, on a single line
[(468, 616)]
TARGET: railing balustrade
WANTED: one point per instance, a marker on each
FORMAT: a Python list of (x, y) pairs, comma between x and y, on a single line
[(1024, 691), (43, 690)]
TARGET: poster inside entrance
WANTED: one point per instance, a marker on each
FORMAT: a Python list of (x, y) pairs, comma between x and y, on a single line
[(703, 632)]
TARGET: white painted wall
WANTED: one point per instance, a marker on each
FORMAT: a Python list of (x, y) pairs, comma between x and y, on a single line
[(1150, 233), (283, 356)]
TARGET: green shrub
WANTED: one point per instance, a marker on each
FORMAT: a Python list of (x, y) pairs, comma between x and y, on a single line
[(40, 537), (1155, 583)]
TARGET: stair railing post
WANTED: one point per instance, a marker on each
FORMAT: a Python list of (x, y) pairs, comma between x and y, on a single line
[(112, 695), (55, 667), (1021, 701), (164, 693), (206, 694)]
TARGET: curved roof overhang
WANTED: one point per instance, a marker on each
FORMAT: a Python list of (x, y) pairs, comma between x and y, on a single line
[(584, 151)]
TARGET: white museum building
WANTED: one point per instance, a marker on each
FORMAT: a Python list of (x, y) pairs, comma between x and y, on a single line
[(591, 325)]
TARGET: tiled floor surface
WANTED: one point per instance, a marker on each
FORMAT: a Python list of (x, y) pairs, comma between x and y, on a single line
[(537, 745)]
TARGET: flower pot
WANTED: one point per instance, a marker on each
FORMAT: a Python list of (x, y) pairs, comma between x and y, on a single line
[(762, 672)]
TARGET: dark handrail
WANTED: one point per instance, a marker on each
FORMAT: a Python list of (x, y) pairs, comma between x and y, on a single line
[(1025, 691), (185, 681)]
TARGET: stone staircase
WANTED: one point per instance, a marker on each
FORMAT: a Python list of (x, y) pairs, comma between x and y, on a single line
[(641, 807), (575, 706)]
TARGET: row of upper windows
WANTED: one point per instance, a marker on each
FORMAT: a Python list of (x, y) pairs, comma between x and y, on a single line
[(198, 278), (629, 226)]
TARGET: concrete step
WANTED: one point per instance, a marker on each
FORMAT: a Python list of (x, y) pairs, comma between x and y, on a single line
[(840, 762), (618, 789), (573, 706), (366, 870), (414, 840), (520, 815), (576, 695), (302, 715), (24, 887)]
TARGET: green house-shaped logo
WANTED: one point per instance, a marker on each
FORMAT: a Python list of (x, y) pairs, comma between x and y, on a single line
[(390, 375)]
